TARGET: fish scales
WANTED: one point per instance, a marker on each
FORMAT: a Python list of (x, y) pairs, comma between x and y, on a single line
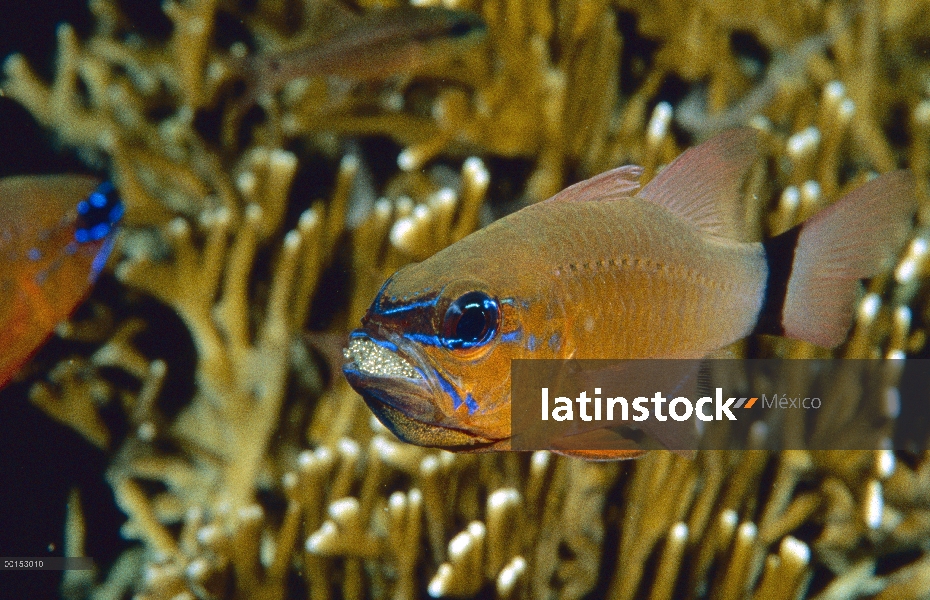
[(610, 263)]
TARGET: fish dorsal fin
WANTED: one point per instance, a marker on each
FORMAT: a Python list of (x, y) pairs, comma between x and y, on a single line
[(703, 185), (616, 183)]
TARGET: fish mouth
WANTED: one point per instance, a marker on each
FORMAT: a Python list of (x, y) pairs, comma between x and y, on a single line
[(399, 388)]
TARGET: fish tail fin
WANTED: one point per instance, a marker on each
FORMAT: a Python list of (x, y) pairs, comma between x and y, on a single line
[(816, 268)]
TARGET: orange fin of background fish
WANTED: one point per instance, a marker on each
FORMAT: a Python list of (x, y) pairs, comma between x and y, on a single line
[(704, 185), (850, 240), (616, 183)]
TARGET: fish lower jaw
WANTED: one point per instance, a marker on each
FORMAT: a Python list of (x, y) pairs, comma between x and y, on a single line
[(420, 433), (371, 358)]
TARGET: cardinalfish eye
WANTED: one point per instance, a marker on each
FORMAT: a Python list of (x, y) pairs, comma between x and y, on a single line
[(471, 321), (98, 214)]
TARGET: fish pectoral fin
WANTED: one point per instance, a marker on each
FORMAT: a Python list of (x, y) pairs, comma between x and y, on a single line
[(617, 183), (704, 185), (605, 438), (616, 443), (677, 436), (598, 444), (637, 378), (680, 437)]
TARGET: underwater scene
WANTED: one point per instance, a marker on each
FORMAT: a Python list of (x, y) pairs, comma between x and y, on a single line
[(264, 266)]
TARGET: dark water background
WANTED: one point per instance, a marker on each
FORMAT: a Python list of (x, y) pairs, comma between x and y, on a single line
[(41, 460)]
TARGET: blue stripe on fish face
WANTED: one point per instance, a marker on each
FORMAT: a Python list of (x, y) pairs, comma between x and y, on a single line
[(453, 394), (413, 314), (423, 338), (513, 336), (414, 317), (413, 334), (450, 390), (378, 310), (387, 304)]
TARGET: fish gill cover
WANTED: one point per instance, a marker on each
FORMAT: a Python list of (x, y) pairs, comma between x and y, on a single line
[(246, 466)]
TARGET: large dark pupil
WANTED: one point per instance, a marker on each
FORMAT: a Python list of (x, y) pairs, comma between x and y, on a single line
[(470, 321), (472, 324)]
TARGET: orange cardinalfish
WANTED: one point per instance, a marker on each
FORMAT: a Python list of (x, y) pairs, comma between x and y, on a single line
[(56, 234), (598, 272)]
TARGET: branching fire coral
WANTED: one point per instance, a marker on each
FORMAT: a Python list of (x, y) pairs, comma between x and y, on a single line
[(254, 222)]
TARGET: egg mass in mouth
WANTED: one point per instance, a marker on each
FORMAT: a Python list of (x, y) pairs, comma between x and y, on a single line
[(376, 360)]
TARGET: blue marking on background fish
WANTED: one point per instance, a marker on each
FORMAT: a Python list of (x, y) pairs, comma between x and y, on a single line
[(98, 214), (555, 342), (100, 260), (531, 343)]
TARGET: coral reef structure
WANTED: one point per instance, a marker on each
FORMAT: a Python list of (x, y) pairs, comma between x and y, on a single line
[(267, 216)]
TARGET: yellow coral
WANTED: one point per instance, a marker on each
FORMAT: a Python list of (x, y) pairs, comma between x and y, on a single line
[(220, 229)]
